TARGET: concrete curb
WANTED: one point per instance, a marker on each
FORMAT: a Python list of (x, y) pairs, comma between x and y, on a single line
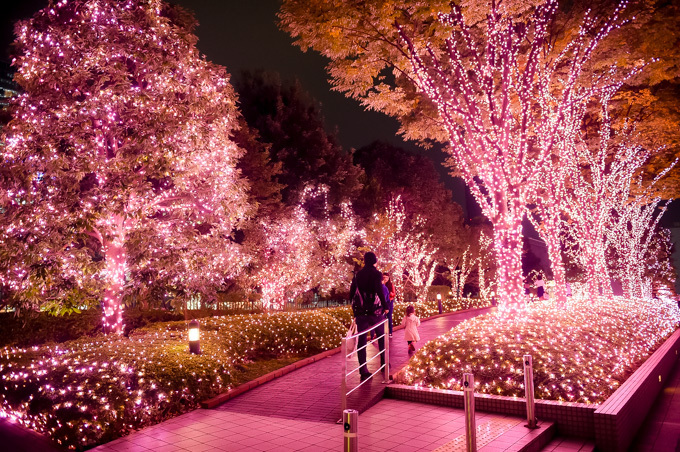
[(245, 387)]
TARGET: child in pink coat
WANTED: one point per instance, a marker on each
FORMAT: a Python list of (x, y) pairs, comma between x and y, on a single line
[(411, 323)]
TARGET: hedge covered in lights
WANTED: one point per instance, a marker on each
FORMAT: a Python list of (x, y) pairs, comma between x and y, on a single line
[(92, 390), (580, 354)]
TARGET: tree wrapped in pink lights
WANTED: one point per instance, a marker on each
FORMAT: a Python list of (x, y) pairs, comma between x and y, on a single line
[(298, 252), (403, 247), (496, 92), (118, 170)]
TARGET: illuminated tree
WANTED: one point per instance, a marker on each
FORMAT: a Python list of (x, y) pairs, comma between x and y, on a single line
[(391, 171), (495, 92), (634, 229), (118, 170), (403, 248), (298, 252)]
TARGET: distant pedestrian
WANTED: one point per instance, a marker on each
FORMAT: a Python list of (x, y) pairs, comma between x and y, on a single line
[(540, 288), (387, 282), (369, 307), (527, 291), (411, 322)]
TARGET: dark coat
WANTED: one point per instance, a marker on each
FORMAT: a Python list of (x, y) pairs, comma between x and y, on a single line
[(369, 280)]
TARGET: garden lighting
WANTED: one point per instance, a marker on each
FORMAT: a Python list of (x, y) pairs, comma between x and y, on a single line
[(194, 337)]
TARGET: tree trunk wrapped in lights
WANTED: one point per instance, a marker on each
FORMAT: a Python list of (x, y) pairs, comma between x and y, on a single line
[(495, 92), (600, 183), (118, 167)]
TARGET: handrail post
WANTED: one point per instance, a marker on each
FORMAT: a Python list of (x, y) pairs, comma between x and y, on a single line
[(529, 391), (343, 385), (387, 352), (469, 405)]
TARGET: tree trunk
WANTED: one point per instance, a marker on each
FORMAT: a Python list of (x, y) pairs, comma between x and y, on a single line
[(114, 250), (551, 236), (598, 282), (508, 247)]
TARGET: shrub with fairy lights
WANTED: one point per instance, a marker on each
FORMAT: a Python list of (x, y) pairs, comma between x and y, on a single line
[(581, 354), (92, 390)]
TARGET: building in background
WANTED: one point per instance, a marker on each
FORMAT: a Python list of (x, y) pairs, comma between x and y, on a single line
[(8, 89)]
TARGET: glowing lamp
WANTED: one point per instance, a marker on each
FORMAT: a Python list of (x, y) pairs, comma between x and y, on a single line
[(194, 337), (439, 302)]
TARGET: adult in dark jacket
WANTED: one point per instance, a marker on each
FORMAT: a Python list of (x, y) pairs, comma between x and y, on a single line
[(368, 281)]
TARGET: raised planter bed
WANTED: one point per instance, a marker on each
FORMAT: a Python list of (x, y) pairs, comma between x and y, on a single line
[(613, 424)]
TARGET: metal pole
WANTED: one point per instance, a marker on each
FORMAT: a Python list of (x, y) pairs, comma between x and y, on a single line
[(343, 385), (350, 420), (529, 391), (469, 405), (387, 352)]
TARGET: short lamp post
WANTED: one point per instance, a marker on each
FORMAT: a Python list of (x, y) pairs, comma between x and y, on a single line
[(439, 302), (194, 337)]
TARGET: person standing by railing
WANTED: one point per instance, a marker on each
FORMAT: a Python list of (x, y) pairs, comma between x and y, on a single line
[(369, 307), (391, 295)]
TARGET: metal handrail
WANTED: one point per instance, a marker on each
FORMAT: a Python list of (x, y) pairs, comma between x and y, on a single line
[(385, 367)]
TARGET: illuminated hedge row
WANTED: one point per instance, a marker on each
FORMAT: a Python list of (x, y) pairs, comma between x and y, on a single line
[(580, 354), (92, 390)]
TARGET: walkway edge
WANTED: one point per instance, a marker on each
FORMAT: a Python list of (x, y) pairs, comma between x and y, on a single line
[(245, 387)]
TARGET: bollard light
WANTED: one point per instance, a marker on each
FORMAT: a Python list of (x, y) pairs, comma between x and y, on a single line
[(194, 337), (350, 419), (529, 391), (469, 407), (439, 302)]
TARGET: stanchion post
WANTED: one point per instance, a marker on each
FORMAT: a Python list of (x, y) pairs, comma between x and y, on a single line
[(529, 392), (469, 404), (350, 421), (387, 352), (343, 384)]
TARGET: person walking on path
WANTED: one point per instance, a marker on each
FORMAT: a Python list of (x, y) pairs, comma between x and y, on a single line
[(411, 322), (369, 307), (391, 295), (540, 288)]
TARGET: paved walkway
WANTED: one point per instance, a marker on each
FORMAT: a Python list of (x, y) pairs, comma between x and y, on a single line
[(295, 412), (661, 430)]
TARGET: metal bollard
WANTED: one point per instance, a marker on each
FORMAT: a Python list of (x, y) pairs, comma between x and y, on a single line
[(343, 383), (529, 392), (387, 353), (350, 421), (469, 405)]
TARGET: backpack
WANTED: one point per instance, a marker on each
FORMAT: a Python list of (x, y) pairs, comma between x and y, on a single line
[(364, 303)]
